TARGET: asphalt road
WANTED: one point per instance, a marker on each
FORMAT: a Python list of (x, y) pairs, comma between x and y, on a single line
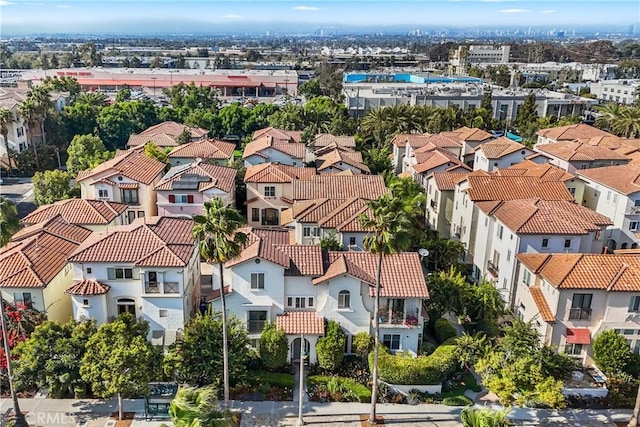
[(20, 192)]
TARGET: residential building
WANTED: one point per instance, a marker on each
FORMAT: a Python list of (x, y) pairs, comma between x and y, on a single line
[(34, 270), (94, 215), (128, 178), (208, 150), (430, 160), (574, 156), (150, 269), (334, 186), (547, 172), (340, 159), (615, 192), (470, 139), (440, 188), (626, 91), (186, 188), (400, 143), (629, 148), (269, 149), (324, 139), (165, 135), (499, 154), (569, 133), (269, 190), (571, 298), (279, 135)]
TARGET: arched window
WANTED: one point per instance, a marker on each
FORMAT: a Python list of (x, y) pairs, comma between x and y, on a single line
[(634, 246), (344, 299), (126, 305), (623, 246)]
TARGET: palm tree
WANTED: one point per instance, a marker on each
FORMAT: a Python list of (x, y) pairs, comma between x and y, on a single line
[(218, 242), (389, 227), (41, 99), (610, 112), (28, 111), (6, 117), (627, 125), (9, 222), (193, 407)]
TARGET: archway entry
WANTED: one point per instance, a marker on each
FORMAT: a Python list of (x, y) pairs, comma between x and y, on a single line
[(295, 349), (611, 245)]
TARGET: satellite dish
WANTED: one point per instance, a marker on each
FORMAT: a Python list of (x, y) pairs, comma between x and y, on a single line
[(423, 252)]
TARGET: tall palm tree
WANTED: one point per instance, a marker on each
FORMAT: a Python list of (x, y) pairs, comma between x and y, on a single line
[(28, 111), (627, 124), (6, 117), (610, 112), (9, 222), (219, 240), (41, 99), (389, 227)]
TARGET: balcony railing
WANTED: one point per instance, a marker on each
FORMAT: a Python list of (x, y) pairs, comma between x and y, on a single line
[(492, 268), (151, 288), (394, 317), (166, 287), (171, 287), (634, 210), (580, 314), (255, 326)]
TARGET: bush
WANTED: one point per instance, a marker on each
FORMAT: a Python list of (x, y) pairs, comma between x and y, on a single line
[(444, 330), (362, 344), (611, 352), (349, 389), (457, 401), (330, 347), (406, 370), (427, 348), (274, 347), (273, 379)]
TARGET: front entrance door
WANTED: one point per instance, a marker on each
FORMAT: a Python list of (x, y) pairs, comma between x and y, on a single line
[(295, 350)]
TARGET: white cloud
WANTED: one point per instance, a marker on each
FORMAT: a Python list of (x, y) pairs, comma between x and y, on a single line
[(5, 3), (233, 16), (515, 11), (63, 6), (547, 11), (306, 8)]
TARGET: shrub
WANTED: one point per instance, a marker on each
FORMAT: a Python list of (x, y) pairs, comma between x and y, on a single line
[(444, 330), (274, 379), (457, 401), (474, 417), (427, 348), (611, 352), (350, 389), (330, 347), (362, 343), (404, 369), (273, 347)]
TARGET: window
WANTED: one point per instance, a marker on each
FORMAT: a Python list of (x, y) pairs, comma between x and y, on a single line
[(257, 280), (255, 214), (306, 231), (23, 298), (526, 277), (596, 194), (500, 231), (20, 132), (572, 191), (256, 322), (119, 273), (126, 305), (545, 243), (103, 194), (633, 225), (567, 243), (131, 216), (130, 196), (140, 214), (583, 166), (180, 198), (392, 341), (352, 241), (163, 313), (88, 270), (634, 304), (573, 349), (270, 191), (344, 299), (580, 307), (85, 302), (300, 302), (509, 255)]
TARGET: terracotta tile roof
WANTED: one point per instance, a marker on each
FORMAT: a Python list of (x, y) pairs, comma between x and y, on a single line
[(300, 322), (414, 140), (469, 134), (149, 241), (215, 293), (129, 185), (294, 149), (611, 272), (544, 171), (578, 336), (541, 303), (133, 164), (493, 187), (206, 149), (624, 178), (612, 142), (339, 186), (162, 140), (498, 148), (87, 287), (334, 158), (276, 173), (164, 134), (344, 218), (306, 260), (323, 139), (207, 176), (263, 243), (446, 181), (433, 159), (575, 151), (36, 254), (571, 132), (279, 134), (402, 275), (441, 140), (549, 217), (78, 211), (312, 211)]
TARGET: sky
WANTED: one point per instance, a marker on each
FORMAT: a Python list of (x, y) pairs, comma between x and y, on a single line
[(76, 16)]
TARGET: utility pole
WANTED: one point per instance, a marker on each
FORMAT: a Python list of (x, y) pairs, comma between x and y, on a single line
[(20, 420), (636, 411), (303, 351)]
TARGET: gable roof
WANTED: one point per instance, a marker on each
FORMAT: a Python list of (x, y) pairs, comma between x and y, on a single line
[(324, 139), (576, 151), (469, 134), (495, 187), (339, 186), (205, 149), (431, 159), (300, 322), (279, 135), (36, 254), (542, 171), (201, 176), (501, 147), (610, 272), (624, 178), (571, 132), (549, 217), (446, 181), (291, 148), (164, 134), (541, 304), (402, 275), (133, 164), (335, 157), (276, 173), (147, 242), (401, 140), (78, 211)]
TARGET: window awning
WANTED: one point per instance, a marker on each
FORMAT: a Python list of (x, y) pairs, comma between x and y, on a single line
[(578, 336), (129, 185)]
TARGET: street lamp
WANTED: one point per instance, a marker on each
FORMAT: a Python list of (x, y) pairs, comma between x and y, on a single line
[(154, 87), (20, 420), (303, 356)]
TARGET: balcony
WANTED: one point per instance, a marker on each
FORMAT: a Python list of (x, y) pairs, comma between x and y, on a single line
[(492, 268), (161, 288), (255, 326), (151, 288), (407, 318), (171, 287), (580, 314), (633, 210)]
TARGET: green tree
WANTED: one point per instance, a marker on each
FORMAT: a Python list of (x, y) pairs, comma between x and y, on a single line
[(331, 243), (469, 348), (198, 407), (6, 118), (52, 185), (153, 151), (123, 94), (443, 253), (330, 347), (362, 344), (310, 89), (486, 305), (449, 291), (86, 152), (527, 113), (219, 240), (9, 221), (119, 360), (378, 160), (52, 356), (274, 347), (611, 352), (64, 84), (28, 112), (389, 227), (196, 357), (184, 136)]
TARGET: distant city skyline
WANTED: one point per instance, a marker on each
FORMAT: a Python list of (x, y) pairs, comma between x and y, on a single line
[(121, 16)]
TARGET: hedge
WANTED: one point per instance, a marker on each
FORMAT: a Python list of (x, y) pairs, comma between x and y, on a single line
[(444, 330), (403, 369), (457, 401), (360, 392), (273, 379)]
